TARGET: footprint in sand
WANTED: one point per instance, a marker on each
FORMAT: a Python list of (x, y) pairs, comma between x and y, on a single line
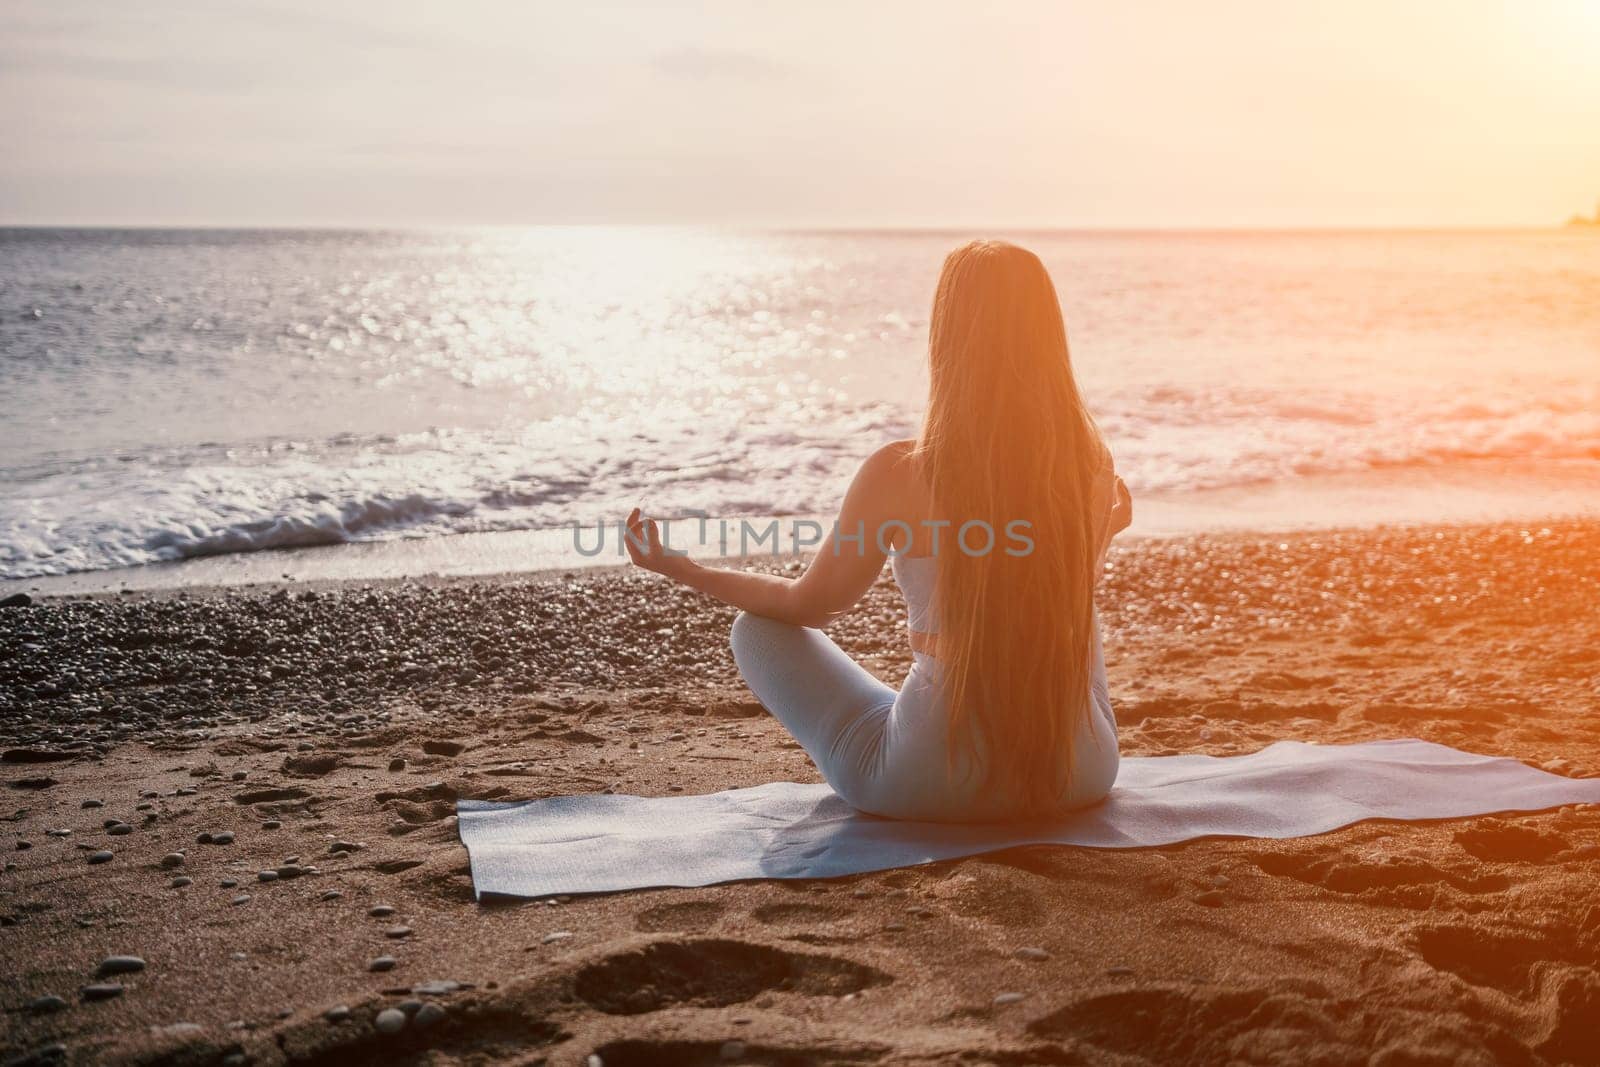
[(645, 1052), (785, 913), (689, 916), (713, 973), (1502, 842)]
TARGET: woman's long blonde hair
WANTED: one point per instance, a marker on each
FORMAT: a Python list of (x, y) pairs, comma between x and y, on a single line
[(1007, 438)]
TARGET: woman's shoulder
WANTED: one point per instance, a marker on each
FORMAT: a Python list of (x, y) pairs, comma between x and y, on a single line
[(892, 464), (891, 477)]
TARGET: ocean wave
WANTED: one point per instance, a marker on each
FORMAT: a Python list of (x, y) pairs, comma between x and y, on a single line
[(129, 509)]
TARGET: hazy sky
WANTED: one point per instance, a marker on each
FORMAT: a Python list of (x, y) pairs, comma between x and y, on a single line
[(1203, 113)]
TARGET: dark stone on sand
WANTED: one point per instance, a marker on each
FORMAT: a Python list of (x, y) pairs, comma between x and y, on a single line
[(311, 765), (290, 870), (429, 1014), (267, 876), (337, 1015), (397, 764), (380, 911), (181, 881), (119, 965), (101, 991), (205, 838), (36, 755), (172, 859), (223, 838), (343, 846), (269, 796), (121, 829), (331, 894), (272, 824), (242, 898), (44, 782), (382, 963), (17, 600), (46, 1004), (397, 932), (92, 804), (443, 748), (101, 857)]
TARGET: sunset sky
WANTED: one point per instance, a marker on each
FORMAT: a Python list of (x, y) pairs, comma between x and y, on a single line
[(1223, 113)]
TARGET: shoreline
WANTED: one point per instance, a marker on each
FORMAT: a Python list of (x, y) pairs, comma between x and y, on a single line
[(330, 729), (1399, 498)]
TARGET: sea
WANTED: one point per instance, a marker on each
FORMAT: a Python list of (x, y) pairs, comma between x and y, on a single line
[(382, 398)]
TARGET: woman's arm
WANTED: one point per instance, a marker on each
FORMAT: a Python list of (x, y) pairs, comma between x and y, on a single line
[(1119, 518), (838, 576)]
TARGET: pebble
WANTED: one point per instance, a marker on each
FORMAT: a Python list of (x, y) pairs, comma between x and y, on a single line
[(242, 898), (390, 1021), (267, 876), (1002, 999), (291, 870), (119, 965), (172, 859), (229, 883), (46, 1004), (410, 1006), (382, 963), (181, 881), (1036, 955), (379, 911), (559, 935), (204, 838), (397, 764), (101, 991), (224, 838), (397, 932), (331, 894), (272, 824), (429, 1014), (101, 857), (120, 829), (94, 804), (343, 846), (436, 988), (337, 1015)]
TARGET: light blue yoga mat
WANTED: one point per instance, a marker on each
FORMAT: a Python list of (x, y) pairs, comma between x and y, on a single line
[(597, 843)]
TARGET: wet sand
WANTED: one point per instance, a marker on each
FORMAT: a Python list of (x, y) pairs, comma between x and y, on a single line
[(329, 729)]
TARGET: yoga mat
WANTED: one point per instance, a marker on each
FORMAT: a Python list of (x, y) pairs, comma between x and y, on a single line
[(596, 843)]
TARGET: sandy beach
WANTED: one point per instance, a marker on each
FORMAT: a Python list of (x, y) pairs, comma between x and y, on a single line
[(251, 792)]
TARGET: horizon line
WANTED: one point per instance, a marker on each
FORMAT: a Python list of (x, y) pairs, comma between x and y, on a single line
[(839, 228)]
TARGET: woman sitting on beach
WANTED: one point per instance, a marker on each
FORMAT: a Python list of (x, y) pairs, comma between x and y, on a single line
[(996, 519)]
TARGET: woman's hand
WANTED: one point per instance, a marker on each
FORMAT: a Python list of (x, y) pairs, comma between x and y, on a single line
[(646, 550), (1121, 510)]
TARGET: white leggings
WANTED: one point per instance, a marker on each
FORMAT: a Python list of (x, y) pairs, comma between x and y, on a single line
[(887, 753)]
